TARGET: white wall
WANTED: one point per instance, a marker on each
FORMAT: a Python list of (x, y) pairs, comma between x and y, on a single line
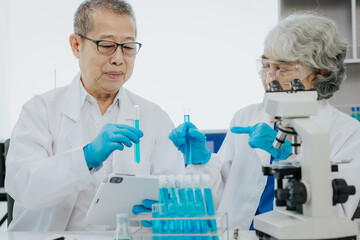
[(197, 53), (5, 54), (202, 54), (39, 31)]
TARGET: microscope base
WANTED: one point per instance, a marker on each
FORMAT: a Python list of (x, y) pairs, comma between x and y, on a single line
[(280, 224), (264, 236)]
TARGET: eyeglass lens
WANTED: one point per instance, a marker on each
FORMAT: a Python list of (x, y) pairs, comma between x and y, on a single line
[(284, 73), (110, 47)]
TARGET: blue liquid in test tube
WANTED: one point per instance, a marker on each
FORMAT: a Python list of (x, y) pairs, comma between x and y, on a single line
[(137, 126), (195, 226), (209, 203), (175, 226), (200, 207), (182, 211), (353, 112), (156, 227), (188, 157), (162, 226)]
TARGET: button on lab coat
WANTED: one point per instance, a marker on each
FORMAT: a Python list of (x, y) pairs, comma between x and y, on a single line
[(46, 167), (240, 183)]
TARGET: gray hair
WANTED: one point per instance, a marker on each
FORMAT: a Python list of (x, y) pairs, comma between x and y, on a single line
[(83, 15), (313, 41)]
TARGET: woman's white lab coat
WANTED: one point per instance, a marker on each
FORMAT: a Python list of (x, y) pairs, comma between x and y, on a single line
[(242, 183), (46, 167)]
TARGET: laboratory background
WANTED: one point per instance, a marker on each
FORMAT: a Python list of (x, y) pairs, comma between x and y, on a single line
[(196, 54)]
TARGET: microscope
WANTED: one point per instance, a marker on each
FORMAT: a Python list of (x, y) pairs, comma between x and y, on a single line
[(304, 207)]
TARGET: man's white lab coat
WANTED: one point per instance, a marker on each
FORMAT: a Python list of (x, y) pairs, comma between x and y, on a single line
[(46, 168), (241, 182)]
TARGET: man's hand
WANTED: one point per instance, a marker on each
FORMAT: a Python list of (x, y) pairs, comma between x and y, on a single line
[(112, 137), (144, 208)]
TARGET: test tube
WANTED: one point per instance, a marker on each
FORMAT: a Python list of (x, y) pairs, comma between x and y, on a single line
[(186, 114), (209, 204), (200, 206), (137, 126), (188, 157)]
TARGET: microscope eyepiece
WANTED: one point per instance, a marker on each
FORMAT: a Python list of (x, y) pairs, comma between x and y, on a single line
[(296, 85), (274, 86)]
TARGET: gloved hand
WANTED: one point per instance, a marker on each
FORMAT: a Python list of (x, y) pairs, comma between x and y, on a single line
[(196, 143), (144, 208), (262, 136), (110, 138)]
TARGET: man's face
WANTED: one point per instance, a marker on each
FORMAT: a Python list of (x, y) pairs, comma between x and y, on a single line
[(272, 69), (104, 73)]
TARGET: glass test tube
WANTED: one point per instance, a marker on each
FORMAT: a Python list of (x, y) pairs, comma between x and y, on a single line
[(188, 157), (137, 126)]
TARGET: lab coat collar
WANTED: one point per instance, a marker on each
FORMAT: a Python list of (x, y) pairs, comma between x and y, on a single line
[(74, 101), (77, 96), (85, 96)]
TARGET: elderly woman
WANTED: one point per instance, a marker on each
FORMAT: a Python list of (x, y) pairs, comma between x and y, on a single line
[(303, 46)]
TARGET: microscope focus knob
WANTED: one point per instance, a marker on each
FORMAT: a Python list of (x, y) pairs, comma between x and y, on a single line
[(341, 191), (297, 193), (267, 171)]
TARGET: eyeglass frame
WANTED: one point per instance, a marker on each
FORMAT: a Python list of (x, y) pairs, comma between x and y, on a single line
[(117, 45), (277, 62), (295, 66)]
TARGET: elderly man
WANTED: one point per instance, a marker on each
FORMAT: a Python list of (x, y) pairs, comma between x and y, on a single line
[(64, 142)]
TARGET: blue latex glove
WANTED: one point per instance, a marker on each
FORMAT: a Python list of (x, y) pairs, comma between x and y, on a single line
[(111, 137), (144, 208), (199, 153), (262, 136)]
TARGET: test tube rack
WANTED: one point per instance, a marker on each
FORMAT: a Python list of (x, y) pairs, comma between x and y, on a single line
[(140, 232)]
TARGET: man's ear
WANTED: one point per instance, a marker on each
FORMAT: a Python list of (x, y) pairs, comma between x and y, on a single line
[(74, 41)]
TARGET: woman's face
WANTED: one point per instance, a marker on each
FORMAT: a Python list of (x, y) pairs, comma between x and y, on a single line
[(271, 69)]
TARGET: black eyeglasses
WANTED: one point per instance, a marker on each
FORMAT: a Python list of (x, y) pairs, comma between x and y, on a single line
[(109, 47)]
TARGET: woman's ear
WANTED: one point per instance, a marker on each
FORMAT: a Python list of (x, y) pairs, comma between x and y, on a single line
[(322, 72)]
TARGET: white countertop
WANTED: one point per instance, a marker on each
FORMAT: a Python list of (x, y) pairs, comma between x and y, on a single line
[(84, 235), (51, 235)]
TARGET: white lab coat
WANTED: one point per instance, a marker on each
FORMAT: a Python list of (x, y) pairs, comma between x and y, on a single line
[(242, 180), (46, 168)]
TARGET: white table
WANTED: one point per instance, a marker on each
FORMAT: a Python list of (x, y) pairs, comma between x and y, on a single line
[(84, 235), (246, 235), (51, 235)]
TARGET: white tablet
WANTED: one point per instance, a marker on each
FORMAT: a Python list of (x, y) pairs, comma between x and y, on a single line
[(118, 195)]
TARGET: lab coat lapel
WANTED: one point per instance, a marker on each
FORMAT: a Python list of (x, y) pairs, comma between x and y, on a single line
[(123, 161), (70, 125), (266, 118)]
